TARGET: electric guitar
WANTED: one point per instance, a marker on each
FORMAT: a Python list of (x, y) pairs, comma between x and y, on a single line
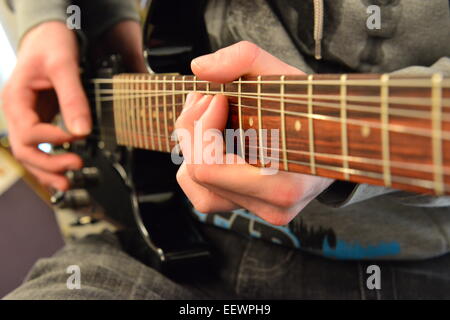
[(391, 131)]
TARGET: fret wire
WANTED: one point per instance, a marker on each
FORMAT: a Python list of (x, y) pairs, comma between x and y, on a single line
[(385, 126), (241, 131), (261, 141), (97, 102), (116, 104), (116, 116), (283, 123), (174, 107), (150, 100), (133, 120), (144, 118), (127, 110), (174, 103), (166, 129), (129, 117), (311, 124), (123, 117), (195, 83), (158, 127), (184, 90), (222, 88), (344, 136), (436, 97), (138, 122)]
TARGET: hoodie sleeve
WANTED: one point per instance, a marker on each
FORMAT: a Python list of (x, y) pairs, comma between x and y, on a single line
[(341, 194), (100, 15), (96, 16), (30, 13)]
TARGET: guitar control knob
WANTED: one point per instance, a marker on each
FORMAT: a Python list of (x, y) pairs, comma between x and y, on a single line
[(74, 199), (84, 178)]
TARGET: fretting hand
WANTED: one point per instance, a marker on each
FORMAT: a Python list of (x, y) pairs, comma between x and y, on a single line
[(211, 188)]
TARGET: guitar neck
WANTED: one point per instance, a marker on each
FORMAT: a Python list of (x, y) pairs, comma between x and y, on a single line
[(391, 131)]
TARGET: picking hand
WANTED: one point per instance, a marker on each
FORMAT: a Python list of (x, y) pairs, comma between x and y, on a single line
[(46, 74), (47, 80)]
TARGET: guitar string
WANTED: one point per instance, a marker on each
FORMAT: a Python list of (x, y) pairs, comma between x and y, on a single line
[(424, 168), (428, 184), (369, 99), (421, 83), (420, 114), (398, 128), (170, 93), (412, 114), (330, 97), (393, 111), (392, 163)]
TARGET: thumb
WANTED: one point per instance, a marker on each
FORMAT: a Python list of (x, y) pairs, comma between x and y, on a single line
[(72, 100), (242, 58)]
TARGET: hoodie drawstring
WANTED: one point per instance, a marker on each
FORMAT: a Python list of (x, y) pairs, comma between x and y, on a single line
[(318, 27)]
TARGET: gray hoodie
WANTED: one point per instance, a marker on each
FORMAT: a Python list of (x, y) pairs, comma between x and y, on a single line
[(347, 221)]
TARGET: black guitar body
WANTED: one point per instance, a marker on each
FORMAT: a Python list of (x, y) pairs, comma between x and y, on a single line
[(137, 189)]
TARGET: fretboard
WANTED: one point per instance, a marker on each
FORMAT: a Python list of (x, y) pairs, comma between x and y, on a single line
[(383, 130)]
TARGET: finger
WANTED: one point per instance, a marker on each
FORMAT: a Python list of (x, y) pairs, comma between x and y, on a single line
[(194, 108), (202, 198), (19, 106), (272, 214), (55, 181), (72, 100), (216, 114), (46, 133), (243, 58), (196, 104), (50, 163), (282, 189)]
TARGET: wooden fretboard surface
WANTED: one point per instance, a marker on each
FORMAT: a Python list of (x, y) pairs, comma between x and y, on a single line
[(376, 129)]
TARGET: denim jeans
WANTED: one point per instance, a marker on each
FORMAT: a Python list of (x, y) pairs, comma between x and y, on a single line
[(245, 269)]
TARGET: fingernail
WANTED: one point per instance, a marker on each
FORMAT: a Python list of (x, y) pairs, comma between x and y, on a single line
[(80, 126)]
